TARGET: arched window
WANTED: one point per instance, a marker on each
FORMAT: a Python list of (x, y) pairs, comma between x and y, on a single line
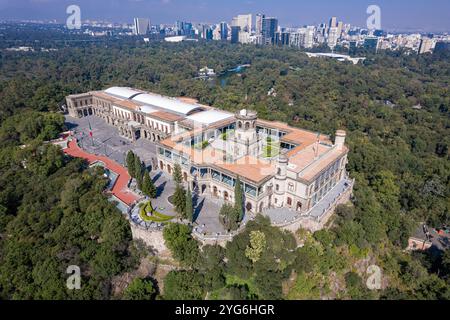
[(247, 125), (240, 125), (277, 187)]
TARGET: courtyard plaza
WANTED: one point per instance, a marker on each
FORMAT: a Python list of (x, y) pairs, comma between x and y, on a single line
[(107, 142)]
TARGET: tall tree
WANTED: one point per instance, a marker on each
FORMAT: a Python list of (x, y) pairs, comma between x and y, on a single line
[(177, 175), (179, 200), (189, 207), (130, 164), (229, 217), (148, 187), (139, 171), (239, 199)]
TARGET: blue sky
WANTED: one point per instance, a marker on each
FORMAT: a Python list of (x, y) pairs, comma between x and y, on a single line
[(431, 15)]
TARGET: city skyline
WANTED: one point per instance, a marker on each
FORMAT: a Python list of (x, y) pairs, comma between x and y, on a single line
[(400, 15)]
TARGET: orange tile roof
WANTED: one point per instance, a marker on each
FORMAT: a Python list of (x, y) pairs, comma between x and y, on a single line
[(167, 116), (302, 138), (299, 160), (102, 95), (128, 104), (250, 168), (302, 159), (188, 100), (322, 163)]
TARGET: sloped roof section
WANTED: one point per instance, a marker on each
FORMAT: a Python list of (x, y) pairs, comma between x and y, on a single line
[(122, 92), (210, 116), (168, 104)]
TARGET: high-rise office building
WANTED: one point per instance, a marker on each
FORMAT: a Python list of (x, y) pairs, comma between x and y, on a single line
[(259, 23), (208, 34), (223, 31), (371, 44), (333, 22), (352, 47), (332, 37), (340, 26), (309, 37), (141, 26), (282, 38), (269, 27), (244, 21), (442, 47), (184, 28), (235, 34)]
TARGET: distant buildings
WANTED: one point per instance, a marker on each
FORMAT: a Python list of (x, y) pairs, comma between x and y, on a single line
[(223, 31), (282, 38), (175, 39), (259, 23), (339, 57), (235, 34), (426, 45), (244, 21), (206, 72), (337, 35), (184, 28), (269, 28), (332, 37), (442, 46), (333, 22), (371, 44), (141, 26)]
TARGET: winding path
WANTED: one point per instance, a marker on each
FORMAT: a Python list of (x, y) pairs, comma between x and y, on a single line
[(120, 189)]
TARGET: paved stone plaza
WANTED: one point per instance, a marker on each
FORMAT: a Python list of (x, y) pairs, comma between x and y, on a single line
[(107, 141)]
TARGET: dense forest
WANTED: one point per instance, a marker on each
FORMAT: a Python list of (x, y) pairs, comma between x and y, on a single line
[(395, 108)]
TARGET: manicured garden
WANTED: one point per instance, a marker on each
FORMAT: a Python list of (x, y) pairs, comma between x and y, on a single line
[(146, 208), (201, 145)]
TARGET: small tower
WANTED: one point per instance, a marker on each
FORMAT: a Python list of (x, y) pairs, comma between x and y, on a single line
[(280, 180), (245, 132), (246, 125), (340, 139)]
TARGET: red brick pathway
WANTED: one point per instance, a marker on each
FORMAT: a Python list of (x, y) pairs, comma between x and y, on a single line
[(120, 189)]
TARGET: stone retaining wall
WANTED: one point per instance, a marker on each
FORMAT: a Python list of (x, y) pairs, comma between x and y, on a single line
[(152, 238)]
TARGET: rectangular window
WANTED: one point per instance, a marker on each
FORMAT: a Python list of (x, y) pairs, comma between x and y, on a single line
[(161, 151), (250, 190), (228, 180), (203, 172), (215, 175), (168, 154)]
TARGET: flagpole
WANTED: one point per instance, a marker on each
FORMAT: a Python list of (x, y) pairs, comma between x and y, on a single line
[(90, 132)]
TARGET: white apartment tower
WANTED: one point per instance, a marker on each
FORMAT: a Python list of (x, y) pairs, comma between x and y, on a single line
[(244, 21)]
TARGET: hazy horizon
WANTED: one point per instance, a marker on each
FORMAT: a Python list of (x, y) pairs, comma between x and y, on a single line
[(405, 15)]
